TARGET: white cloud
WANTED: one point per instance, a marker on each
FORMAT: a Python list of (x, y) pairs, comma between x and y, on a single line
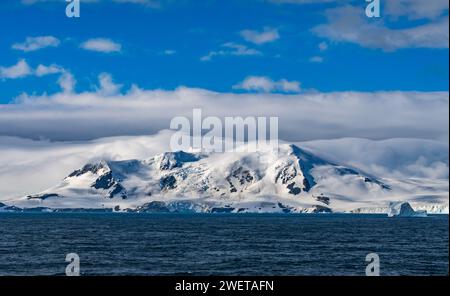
[(232, 49), (67, 82), (43, 70), (36, 43), (22, 69), (78, 116), (316, 59), (393, 158), (349, 24), (106, 85), (416, 9), (267, 35), (43, 164), (101, 45), (19, 70), (267, 85)]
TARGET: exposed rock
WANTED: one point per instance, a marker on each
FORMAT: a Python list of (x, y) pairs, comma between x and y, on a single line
[(321, 209), (222, 210), (168, 182), (43, 196), (294, 190), (323, 199), (105, 181), (93, 168)]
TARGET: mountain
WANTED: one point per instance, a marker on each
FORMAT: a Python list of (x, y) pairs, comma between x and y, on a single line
[(288, 180)]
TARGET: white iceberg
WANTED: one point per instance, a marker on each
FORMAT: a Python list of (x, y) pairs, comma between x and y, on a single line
[(404, 209)]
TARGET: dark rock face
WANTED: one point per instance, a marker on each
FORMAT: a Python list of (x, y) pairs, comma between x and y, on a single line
[(42, 196), (382, 185), (321, 209), (105, 181), (323, 199), (116, 190), (286, 174), (293, 190), (306, 185), (93, 168), (346, 171), (242, 175), (241, 210), (167, 183), (222, 210), (284, 208), (386, 187)]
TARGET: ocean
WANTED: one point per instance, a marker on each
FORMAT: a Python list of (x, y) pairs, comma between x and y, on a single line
[(221, 244)]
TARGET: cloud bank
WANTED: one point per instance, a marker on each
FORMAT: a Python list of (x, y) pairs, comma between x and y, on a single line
[(108, 110)]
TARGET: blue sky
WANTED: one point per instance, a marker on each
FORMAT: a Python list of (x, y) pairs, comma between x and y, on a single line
[(127, 67), (163, 47)]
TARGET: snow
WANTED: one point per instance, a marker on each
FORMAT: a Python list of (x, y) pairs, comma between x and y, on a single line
[(294, 180), (404, 209)]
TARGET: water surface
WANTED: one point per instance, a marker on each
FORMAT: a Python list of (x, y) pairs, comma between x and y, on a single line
[(222, 244)]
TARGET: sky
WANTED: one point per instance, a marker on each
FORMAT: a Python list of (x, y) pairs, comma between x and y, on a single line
[(125, 67), (369, 92)]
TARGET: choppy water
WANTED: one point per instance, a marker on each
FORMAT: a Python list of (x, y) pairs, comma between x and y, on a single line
[(168, 244)]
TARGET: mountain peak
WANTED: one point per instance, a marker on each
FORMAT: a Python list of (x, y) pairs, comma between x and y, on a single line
[(98, 168), (170, 160)]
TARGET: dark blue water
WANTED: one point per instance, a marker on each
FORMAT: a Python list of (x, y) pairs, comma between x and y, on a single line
[(157, 244)]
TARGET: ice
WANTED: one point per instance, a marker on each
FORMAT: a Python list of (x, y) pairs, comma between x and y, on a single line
[(404, 209)]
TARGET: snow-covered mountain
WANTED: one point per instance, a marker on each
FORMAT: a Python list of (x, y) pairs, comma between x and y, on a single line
[(288, 180)]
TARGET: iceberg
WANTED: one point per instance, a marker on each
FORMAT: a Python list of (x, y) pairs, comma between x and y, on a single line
[(404, 209)]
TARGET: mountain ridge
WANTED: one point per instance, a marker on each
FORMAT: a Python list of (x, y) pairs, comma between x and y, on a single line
[(291, 180)]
